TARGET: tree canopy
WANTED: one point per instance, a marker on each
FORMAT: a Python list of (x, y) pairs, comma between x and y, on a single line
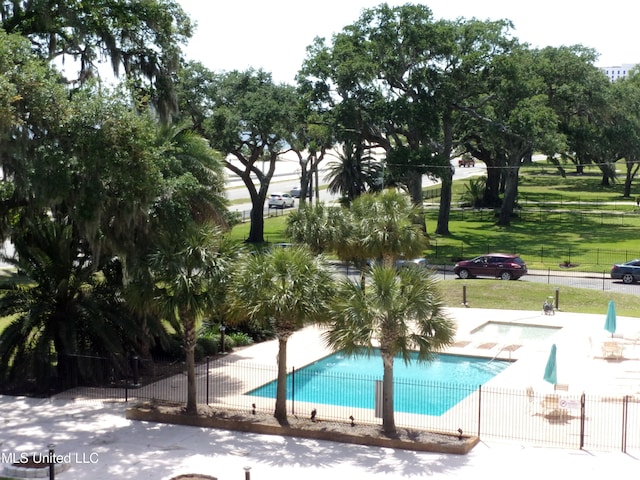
[(141, 38)]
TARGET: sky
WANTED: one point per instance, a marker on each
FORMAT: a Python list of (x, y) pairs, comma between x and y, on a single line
[(274, 34)]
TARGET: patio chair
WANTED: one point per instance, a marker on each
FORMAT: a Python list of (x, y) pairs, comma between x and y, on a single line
[(612, 350), (551, 406)]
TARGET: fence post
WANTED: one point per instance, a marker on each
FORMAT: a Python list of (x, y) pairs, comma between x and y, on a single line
[(582, 419), (207, 394), (625, 419), (479, 408), (293, 390)]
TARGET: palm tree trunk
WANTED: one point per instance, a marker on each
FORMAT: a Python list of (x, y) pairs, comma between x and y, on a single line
[(281, 388), (388, 417), (189, 348)]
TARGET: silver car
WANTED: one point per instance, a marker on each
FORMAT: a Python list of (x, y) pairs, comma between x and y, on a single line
[(280, 200)]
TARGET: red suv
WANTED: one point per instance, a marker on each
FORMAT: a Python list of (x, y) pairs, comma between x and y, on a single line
[(499, 265)]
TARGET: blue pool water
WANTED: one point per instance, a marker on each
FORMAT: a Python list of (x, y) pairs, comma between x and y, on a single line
[(429, 389)]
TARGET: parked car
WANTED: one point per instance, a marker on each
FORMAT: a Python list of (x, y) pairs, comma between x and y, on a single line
[(466, 162), (413, 262), (499, 265), (280, 200), (295, 192), (627, 272), (282, 245), (402, 263)]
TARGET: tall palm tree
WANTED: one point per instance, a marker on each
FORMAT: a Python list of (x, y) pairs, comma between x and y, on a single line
[(353, 173), (285, 289), (188, 271), (399, 311), (65, 307)]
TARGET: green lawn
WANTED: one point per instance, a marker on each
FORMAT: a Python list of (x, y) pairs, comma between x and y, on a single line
[(561, 220), (571, 219), (519, 295), (274, 228)]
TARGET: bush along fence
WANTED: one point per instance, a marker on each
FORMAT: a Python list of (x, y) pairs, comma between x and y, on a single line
[(546, 418)]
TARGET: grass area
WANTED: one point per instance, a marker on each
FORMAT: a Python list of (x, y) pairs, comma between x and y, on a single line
[(274, 230), (562, 220), (568, 219), (518, 295)]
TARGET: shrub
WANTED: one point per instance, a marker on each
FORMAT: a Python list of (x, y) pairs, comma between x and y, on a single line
[(473, 192), (240, 339), (209, 345), (198, 352), (172, 349)]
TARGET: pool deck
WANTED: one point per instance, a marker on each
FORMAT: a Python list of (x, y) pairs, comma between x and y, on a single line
[(580, 341), (107, 446)]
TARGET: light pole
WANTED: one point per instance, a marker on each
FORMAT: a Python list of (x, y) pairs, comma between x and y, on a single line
[(222, 330), (52, 463)]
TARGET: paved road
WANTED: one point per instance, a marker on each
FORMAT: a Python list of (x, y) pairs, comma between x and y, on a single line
[(287, 176), (593, 281)]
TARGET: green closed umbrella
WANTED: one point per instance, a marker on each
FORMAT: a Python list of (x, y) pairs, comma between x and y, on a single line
[(610, 322), (551, 370)]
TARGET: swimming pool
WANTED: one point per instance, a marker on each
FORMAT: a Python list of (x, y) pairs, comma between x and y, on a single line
[(513, 332), (428, 389)]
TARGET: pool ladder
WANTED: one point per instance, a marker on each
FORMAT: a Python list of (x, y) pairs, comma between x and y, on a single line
[(502, 347)]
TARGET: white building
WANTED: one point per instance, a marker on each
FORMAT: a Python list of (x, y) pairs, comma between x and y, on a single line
[(619, 71)]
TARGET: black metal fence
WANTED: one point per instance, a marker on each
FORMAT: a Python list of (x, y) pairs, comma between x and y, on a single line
[(560, 258), (557, 278), (244, 216), (559, 419)]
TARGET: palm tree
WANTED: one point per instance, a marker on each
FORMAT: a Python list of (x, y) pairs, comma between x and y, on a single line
[(284, 289), (193, 174), (188, 271), (374, 226), (65, 307), (353, 173), (386, 227), (400, 311), (317, 226)]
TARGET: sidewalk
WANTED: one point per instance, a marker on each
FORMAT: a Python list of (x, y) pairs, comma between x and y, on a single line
[(104, 445)]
